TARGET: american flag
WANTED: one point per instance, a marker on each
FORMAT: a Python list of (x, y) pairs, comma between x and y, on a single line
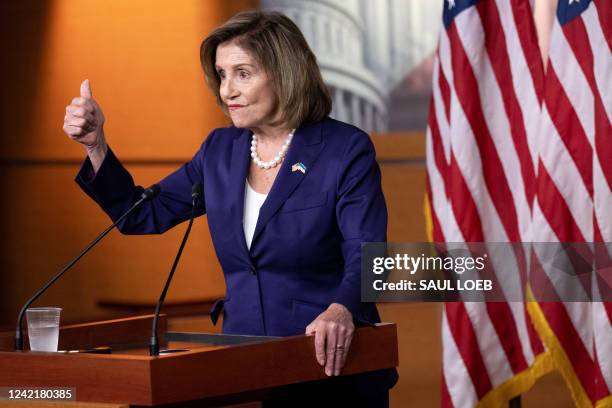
[(490, 165), (573, 196)]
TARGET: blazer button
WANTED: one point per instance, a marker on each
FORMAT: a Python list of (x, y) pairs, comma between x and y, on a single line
[(253, 270)]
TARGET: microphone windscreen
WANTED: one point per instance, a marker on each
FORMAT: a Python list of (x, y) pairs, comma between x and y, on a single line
[(196, 191), (151, 192)]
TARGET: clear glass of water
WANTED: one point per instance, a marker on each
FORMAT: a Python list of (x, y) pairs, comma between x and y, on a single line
[(43, 328)]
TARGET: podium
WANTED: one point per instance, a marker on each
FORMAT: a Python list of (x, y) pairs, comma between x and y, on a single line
[(210, 369)]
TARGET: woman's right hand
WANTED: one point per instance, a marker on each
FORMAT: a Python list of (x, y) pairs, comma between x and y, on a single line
[(84, 122)]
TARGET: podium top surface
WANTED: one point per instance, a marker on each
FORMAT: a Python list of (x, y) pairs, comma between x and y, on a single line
[(211, 366)]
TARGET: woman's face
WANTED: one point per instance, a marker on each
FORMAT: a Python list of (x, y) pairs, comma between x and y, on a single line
[(245, 87)]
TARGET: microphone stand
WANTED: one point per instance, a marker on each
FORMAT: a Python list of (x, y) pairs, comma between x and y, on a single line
[(146, 195), (196, 193)]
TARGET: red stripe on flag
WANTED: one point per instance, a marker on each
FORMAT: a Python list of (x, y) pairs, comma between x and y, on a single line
[(578, 40), (561, 324), (525, 28), (603, 140), (495, 43), (444, 91), (541, 286), (438, 150), (555, 209), (464, 206), (505, 326), (465, 338), (596, 231), (608, 308), (568, 127), (455, 187), (467, 92), (604, 11), (446, 401)]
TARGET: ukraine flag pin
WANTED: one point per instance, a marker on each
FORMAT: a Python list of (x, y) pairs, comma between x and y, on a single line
[(298, 167)]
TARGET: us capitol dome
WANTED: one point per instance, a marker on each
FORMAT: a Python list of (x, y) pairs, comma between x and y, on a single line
[(365, 49)]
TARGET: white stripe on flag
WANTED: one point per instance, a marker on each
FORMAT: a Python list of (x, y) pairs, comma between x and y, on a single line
[(565, 174), (572, 78), (522, 81), (457, 378), (602, 60), (491, 350)]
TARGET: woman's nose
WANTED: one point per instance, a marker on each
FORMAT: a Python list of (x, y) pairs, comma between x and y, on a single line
[(228, 90)]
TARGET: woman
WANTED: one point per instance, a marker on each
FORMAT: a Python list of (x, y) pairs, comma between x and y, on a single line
[(290, 195)]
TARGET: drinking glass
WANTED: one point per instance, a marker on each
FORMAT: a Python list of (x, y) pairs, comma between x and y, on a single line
[(43, 328)]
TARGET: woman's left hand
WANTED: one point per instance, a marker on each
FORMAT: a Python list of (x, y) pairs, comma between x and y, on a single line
[(333, 330)]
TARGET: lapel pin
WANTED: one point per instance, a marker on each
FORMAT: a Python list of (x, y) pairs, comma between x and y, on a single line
[(298, 167)]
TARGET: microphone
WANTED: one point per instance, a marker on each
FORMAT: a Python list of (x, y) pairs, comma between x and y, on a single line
[(147, 194), (196, 195)]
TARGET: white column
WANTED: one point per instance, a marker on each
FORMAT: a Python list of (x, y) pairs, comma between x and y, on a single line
[(314, 32), (307, 29), (329, 37), (340, 110), (368, 120), (322, 46), (356, 117)]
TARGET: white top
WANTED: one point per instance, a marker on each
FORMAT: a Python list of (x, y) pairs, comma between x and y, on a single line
[(252, 203)]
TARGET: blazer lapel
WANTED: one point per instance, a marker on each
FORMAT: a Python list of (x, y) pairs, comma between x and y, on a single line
[(241, 158), (305, 148)]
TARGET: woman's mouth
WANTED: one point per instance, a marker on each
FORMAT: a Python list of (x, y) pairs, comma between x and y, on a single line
[(234, 107)]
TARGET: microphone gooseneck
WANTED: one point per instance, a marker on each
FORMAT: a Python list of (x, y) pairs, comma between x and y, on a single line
[(147, 194), (196, 195)]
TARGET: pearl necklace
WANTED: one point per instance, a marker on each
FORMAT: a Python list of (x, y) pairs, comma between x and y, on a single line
[(277, 159)]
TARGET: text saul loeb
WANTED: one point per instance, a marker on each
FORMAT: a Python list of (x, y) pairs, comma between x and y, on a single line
[(435, 285)]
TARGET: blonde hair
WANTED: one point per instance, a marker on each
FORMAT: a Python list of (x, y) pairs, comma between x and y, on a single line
[(278, 45)]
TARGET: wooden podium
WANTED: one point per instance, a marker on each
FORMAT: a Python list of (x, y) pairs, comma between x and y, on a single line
[(214, 369)]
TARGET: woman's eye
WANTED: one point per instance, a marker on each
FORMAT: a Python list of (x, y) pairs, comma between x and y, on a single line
[(243, 74)]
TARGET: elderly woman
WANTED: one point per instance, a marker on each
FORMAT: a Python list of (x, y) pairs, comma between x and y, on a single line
[(290, 195)]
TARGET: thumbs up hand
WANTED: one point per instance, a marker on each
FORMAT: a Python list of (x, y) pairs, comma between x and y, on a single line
[(84, 120)]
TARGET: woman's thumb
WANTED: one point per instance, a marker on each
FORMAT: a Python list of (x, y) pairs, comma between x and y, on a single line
[(86, 89)]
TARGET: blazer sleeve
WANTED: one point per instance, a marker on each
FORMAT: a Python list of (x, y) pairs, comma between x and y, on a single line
[(361, 213), (113, 188)]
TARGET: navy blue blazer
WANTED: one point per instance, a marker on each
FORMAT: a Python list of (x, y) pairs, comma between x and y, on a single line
[(305, 252)]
